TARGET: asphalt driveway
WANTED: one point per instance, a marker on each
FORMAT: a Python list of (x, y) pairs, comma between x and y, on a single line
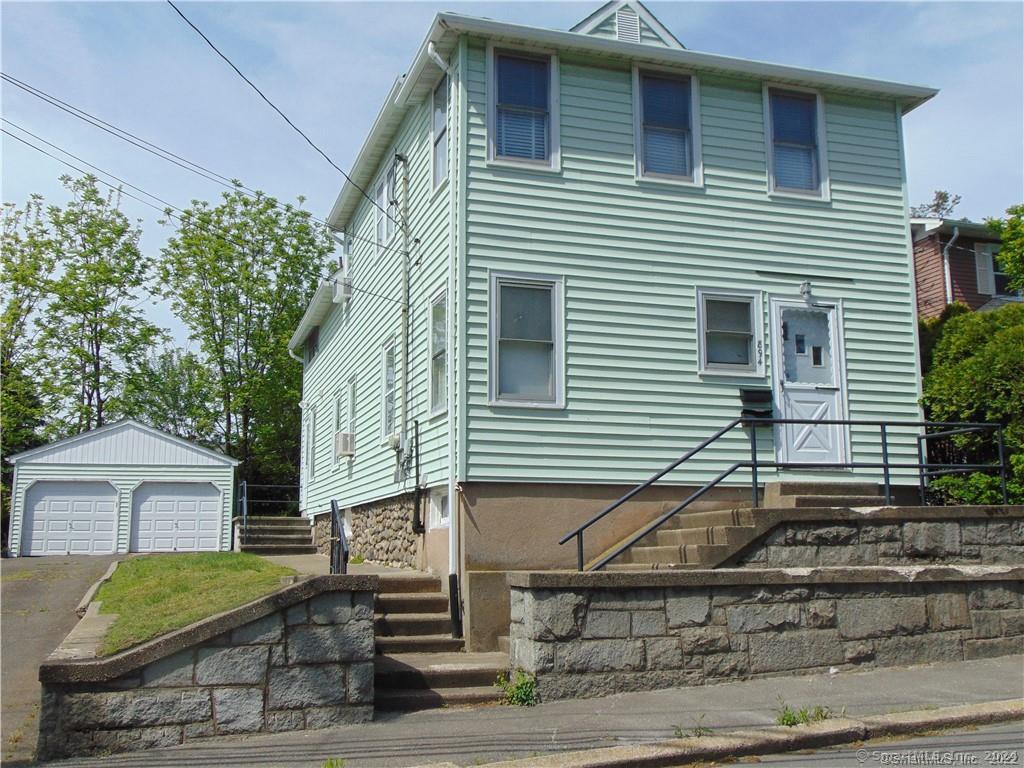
[(38, 596)]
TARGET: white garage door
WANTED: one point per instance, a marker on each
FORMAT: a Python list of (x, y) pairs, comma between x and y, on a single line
[(64, 517), (176, 517)]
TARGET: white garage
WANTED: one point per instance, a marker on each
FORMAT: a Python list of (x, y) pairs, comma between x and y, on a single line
[(124, 487)]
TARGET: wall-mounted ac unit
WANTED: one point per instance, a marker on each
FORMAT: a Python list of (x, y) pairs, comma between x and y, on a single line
[(342, 288), (344, 444)]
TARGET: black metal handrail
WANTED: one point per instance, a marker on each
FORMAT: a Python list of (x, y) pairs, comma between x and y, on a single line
[(339, 542), (924, 468)]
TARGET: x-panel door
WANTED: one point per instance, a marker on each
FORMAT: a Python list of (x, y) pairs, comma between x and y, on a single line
[(809, 382)]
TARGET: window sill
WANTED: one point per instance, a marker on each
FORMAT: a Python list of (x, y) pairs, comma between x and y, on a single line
[(438, 527), (536, 405), (670, 182), (715, 374), (525, 165), (437, 414), (439, 190), (808, 197)]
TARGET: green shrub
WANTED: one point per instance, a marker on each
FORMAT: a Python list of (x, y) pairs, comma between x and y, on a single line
[(977, 374), (519, 689), (786, 715)]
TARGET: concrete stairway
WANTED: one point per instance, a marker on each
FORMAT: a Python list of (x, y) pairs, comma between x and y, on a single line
[(419, 664), (278, 536), (709, 539)]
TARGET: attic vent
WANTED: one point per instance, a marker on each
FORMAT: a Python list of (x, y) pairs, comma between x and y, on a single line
[(627, 26)]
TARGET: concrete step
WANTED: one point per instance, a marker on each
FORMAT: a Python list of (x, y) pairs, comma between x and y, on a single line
[(388, 603), (413, 699), (717, 534), (832, 501), (279, 549), (810, 487), (504, 644), (268, 538), (744, 516), (418, 644), (701, 554), (420, 671), (278, 522), (409, 624), (406, 583), (617, 566)]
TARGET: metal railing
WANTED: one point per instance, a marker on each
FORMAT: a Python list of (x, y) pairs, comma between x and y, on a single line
[(339, 542), (924, 468), (244, 502)]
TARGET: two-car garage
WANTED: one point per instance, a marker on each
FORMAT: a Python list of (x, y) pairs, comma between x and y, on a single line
[(125, 487)]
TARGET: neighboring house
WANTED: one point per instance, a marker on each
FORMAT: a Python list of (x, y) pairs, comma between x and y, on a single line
[(611, 240), (123, 487), (954, 261)]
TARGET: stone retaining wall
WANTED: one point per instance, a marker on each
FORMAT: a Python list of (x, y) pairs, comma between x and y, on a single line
[(301, 658), (893, 542), (591, 634)]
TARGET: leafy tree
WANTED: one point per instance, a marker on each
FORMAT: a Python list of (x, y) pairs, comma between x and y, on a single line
[(941, 206), (172, 390), (239, 274), (93, 332), (977, 374), (930, 331), (1011, 254), (26, 267)]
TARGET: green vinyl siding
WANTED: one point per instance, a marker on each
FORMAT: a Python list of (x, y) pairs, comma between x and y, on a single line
[(352, 338), (633, 254)]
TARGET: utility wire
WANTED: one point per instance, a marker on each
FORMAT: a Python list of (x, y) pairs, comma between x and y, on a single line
[(282, 114), (169, 156), (169, 211)]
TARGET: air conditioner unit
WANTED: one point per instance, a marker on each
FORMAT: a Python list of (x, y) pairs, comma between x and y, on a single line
[(396, 442), (344, 444), (342, 288)]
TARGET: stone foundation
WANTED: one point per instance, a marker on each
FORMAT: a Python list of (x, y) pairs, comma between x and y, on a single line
[(892, 542), (382, 532), (322, 534), (301, 658), (592, 634)]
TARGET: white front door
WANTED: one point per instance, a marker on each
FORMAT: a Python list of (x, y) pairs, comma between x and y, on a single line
[(176, 517), (809, 382), (65, 517)]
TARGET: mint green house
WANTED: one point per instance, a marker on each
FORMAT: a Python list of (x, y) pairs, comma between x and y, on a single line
[(569, 257)]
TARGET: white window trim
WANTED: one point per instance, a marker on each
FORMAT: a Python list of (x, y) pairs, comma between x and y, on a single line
[(350, 412), (557, 285), (823, 193), (385, 436), (380, 216), (695, 135), (442, 407), (338, 404), (436, 188), (759, 351), (311, 444), (986, 253), (554, 162), (435, 522)]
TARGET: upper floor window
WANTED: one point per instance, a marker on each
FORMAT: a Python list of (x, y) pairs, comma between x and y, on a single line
[(666, 111), (731, 338), (388, 388), (526, 341), (992, 279), (312, 344), (310, 446), (796, 156), (439, 131), (386, 207), (438, 353), (523, 108)]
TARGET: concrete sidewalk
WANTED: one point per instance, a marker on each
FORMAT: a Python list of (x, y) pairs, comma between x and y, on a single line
[(479, 735)]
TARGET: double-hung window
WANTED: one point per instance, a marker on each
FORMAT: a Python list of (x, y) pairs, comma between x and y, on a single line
[(524, 118), (666, 113), (797, 159), (339, 423), (311, 444), (386, 207), (438, 353), (526, 341), (993, 280), (439, 131), (388, 388), (731, 337)]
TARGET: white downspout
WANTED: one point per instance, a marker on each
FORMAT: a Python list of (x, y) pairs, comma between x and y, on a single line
[(945, 265)]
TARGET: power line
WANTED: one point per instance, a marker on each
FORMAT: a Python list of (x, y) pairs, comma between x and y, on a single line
[(176, 216), (282, 114), (169, 156)]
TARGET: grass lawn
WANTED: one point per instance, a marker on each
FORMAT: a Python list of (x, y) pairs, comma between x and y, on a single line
[(155, 594)]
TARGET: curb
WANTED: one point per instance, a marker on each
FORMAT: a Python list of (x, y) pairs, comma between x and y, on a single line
[(90, 593), (764, 741)]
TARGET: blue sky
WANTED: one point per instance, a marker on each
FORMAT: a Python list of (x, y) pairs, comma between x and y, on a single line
[(329, 65)]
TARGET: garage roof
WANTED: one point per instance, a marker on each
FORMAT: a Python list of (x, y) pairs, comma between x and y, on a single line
[(124, 442)]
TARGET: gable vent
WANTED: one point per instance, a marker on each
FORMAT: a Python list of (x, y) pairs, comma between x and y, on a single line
[(627, 26)]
